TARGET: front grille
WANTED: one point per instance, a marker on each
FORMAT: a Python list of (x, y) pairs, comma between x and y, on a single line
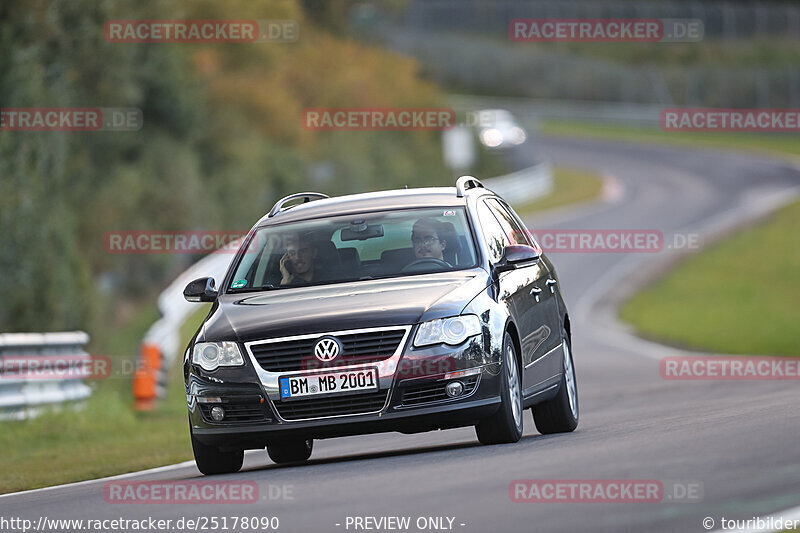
[(298, 354), (333, 406), (434, 392), (245, 408)]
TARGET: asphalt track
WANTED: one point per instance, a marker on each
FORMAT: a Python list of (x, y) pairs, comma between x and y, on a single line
[(738, 441)]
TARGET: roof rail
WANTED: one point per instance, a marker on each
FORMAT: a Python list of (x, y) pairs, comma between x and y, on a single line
[(465, 183), (307, 197)]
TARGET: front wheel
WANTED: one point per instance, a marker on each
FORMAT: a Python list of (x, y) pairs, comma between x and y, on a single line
[(211, 460), (560, 415), (505, 426), (290, 451)]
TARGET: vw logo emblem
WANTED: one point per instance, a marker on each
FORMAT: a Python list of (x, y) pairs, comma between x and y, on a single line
[(327, 348)]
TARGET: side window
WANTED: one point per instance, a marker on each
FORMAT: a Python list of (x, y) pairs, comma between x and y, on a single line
[(531, 237), (493, 233), (510, 225), (528, 233)]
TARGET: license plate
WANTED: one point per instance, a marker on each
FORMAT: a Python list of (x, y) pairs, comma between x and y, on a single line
[(329, 383)]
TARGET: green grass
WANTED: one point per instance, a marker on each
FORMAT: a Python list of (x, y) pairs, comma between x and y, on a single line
[(780, 144), (760, 53), (570, 186), (739, 296), (120, 337), (104, 437)]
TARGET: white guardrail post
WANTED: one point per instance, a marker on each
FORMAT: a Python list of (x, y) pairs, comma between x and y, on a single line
[(162, 342), (24, 391)]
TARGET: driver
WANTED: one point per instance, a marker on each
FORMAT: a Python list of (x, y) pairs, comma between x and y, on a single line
[(298, 263), (426, 236)]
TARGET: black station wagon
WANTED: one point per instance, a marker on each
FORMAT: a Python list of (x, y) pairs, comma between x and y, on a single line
[(406, 310)]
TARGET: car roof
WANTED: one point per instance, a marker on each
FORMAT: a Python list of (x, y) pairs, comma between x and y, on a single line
[(372, 201)]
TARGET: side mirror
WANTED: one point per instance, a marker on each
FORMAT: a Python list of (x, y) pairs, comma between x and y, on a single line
[(514, 256), (201, 290)]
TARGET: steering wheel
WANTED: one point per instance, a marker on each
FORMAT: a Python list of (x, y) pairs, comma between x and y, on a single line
[(429, 261)]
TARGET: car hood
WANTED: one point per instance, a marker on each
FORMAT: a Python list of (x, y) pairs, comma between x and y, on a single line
[(370, 303)]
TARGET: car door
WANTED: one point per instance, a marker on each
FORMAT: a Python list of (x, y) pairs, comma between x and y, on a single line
[(513, 285), (539, 311)]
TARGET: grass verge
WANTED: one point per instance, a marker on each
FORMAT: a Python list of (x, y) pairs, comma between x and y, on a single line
[(765, 143), (570, 186), (103, 437), (738, 296)]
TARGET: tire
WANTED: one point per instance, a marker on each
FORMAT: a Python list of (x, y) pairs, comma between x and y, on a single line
[(210, 460), (560, 414), (505, 426), (290, 451)]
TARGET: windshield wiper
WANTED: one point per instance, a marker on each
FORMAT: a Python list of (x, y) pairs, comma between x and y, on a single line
[(256, 289)]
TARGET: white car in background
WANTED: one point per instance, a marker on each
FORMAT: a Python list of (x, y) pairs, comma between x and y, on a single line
[(499, 129)]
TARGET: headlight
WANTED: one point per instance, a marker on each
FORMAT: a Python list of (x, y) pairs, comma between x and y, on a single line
[(491, 137), (517, 135), (210, 355), (453, 330)]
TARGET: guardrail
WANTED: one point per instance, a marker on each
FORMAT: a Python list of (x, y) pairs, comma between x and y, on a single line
[(524, 185), (161, 344), (23, 395)]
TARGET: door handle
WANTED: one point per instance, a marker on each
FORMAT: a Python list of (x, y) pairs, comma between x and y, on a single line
[(535, 292), (551, 283)]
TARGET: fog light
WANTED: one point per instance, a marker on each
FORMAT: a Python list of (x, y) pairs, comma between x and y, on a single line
[(217, 413), (454, 388)]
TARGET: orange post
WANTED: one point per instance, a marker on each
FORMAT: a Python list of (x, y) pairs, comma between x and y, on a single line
[(145, 377)]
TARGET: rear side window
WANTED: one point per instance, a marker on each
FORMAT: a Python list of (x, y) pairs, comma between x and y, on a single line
[(493, 233), (515, 232)]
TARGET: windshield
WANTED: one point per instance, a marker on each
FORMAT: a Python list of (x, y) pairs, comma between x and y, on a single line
[(355, 247)]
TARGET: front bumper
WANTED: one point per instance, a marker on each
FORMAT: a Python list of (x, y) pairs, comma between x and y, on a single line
[(410, 399)]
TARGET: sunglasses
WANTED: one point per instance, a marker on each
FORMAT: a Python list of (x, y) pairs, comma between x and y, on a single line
[(427, 241)]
